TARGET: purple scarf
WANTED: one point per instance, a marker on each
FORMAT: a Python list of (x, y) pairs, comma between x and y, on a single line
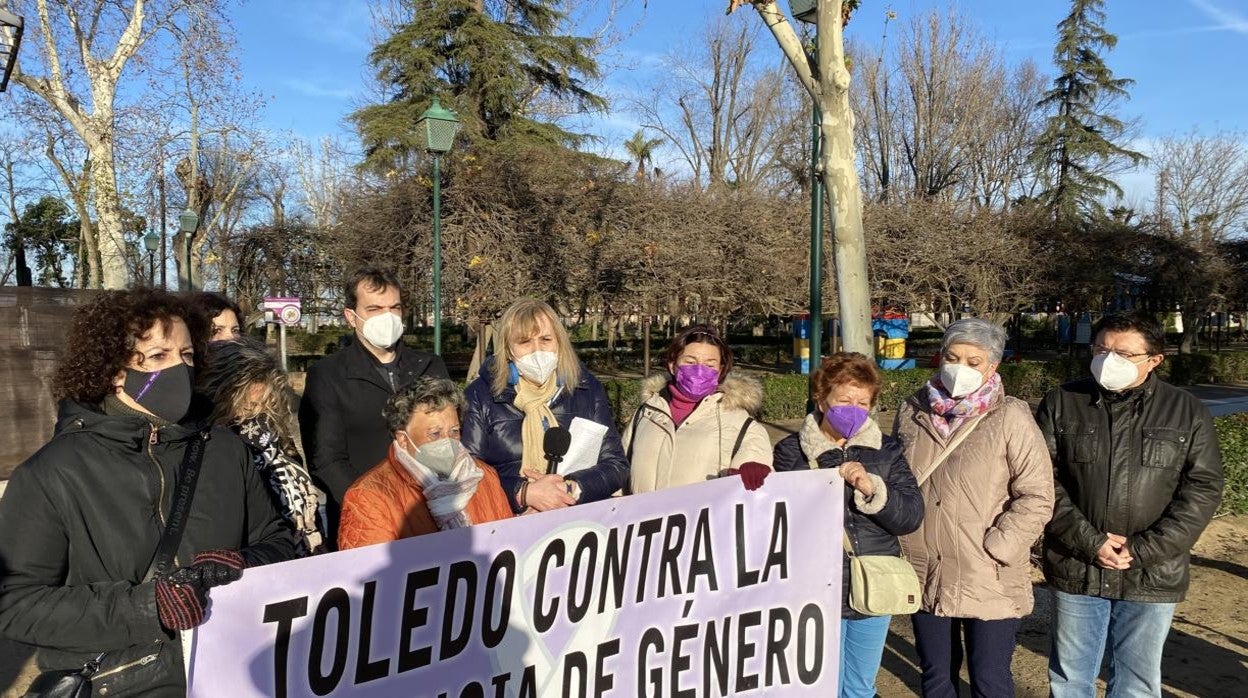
[(948, 413)]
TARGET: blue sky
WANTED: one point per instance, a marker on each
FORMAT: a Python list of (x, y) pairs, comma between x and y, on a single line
[(1188, 57)]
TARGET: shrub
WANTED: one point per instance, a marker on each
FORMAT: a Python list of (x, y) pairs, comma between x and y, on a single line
[(1030, 380), (624, 396), (1233, 441), (899, 385), (784, 396)]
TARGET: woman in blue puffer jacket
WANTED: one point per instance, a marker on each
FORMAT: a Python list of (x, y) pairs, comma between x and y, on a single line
[(532, 383), (882, 499)]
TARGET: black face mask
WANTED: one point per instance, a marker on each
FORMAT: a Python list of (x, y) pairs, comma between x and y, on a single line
[(165, 393)]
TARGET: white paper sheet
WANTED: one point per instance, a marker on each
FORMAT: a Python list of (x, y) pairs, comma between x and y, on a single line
[(586, 444)]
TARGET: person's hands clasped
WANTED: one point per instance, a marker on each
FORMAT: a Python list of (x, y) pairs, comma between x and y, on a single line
[(546, 492), (856, 475), (1113, 554)]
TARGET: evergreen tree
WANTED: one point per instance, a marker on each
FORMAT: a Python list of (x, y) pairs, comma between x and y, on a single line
[(491, 61), (1077, 147), (47, 229)]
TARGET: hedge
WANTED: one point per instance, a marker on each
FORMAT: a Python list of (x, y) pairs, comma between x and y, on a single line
[(1233, 441)]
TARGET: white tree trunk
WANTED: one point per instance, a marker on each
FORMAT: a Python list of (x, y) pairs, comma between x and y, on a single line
[(108, 226), (840, 179), (831, 92)]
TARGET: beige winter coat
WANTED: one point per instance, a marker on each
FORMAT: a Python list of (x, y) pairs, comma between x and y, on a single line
[(664, 456), (986, 503)]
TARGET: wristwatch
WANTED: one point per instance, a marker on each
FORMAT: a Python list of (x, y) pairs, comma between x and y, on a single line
[(574, 489)]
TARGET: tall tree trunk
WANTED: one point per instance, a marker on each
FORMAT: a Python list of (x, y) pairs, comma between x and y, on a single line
[(829, 88), (110, 236), (840, 178)]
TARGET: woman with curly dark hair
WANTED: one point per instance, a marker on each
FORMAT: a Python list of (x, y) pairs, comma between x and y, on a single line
[(81, 519), (250, 395), (224, 316)]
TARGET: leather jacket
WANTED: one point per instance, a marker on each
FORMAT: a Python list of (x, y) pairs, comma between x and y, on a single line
[(1143, 464)]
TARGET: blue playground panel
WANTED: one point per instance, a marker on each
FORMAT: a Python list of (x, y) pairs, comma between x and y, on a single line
[(895, 364), (892, 328)]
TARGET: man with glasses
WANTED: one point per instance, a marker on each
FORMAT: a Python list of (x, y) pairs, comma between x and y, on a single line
[(1138, 476)]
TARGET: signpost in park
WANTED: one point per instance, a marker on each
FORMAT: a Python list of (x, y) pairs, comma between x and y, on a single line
[(283, 311)]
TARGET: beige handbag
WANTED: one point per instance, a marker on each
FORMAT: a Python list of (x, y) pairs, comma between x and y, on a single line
[(881, 585)]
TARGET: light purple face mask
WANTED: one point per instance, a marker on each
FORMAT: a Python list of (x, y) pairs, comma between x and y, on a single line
[(846, 419), (696, 381)]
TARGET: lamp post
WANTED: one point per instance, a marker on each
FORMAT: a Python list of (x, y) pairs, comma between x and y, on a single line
[(151, 242), (437, 126), (188, 223), (806, 11), (11, 29)]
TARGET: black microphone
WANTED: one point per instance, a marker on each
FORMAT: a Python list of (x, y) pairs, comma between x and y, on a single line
[(555, 445)]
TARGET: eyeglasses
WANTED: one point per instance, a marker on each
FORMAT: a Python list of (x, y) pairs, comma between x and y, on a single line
[(1099, 350)]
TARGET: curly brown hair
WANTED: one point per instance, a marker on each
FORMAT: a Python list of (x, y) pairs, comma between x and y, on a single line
[(103, 333), (847, 367)]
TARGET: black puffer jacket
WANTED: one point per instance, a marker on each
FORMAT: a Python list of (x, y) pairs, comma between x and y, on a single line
[(872, 533), (1144, 465), (79, 524), (492, 432)]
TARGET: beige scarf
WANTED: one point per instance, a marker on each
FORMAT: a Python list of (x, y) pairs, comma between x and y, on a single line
[(534, 402)]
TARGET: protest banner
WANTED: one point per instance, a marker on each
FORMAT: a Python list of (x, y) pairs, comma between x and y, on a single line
[(706, 590)]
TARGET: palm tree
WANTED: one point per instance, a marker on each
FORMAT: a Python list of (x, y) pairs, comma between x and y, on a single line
[(642, 151)]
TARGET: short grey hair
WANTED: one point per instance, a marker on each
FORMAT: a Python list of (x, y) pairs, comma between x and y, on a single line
[(425, 395), (976, 332)]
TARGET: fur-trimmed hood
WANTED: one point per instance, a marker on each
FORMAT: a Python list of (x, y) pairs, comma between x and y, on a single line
[(739, 392)]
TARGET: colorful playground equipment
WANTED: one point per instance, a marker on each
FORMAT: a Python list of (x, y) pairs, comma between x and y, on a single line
[(891, 329)]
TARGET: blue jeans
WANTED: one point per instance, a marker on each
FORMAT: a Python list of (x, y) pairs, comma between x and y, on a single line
[(862, 647), (987, 646), (1135, 631)]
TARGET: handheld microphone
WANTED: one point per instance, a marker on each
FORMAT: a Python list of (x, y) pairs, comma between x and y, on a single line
[(555, 446)]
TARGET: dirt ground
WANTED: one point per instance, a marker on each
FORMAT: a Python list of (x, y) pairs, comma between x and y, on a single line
[(1206, 653)]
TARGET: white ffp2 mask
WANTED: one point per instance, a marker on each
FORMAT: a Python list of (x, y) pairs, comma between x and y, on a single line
[(1113, 372), (960, 380), (537, 366), (382, 330)]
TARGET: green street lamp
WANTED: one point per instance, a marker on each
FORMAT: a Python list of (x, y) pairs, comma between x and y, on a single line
[(806, 11), (188, 223), (151, 242), (437, 127)]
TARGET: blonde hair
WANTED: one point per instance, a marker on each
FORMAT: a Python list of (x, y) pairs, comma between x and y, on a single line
[(236, 365), (520, 321)]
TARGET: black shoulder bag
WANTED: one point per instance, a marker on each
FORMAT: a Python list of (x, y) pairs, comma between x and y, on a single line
[(76, 683)]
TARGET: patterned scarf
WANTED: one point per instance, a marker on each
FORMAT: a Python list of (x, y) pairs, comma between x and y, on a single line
[(447, 499), (534, 402), (949, 413), (278, 460)]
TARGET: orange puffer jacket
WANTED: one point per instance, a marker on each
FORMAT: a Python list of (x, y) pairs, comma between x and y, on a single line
[(386, 504)]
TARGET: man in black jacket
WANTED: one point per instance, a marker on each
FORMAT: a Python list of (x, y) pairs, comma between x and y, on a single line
[(340, 416), (1139, 476)]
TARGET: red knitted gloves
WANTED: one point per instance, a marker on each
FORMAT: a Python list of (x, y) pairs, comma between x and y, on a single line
[(214, 568), (180, 606), (182, 597), (752, 474)]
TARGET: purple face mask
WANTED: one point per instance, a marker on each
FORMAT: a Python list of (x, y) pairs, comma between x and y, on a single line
[(696, 381), (846, 419)]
